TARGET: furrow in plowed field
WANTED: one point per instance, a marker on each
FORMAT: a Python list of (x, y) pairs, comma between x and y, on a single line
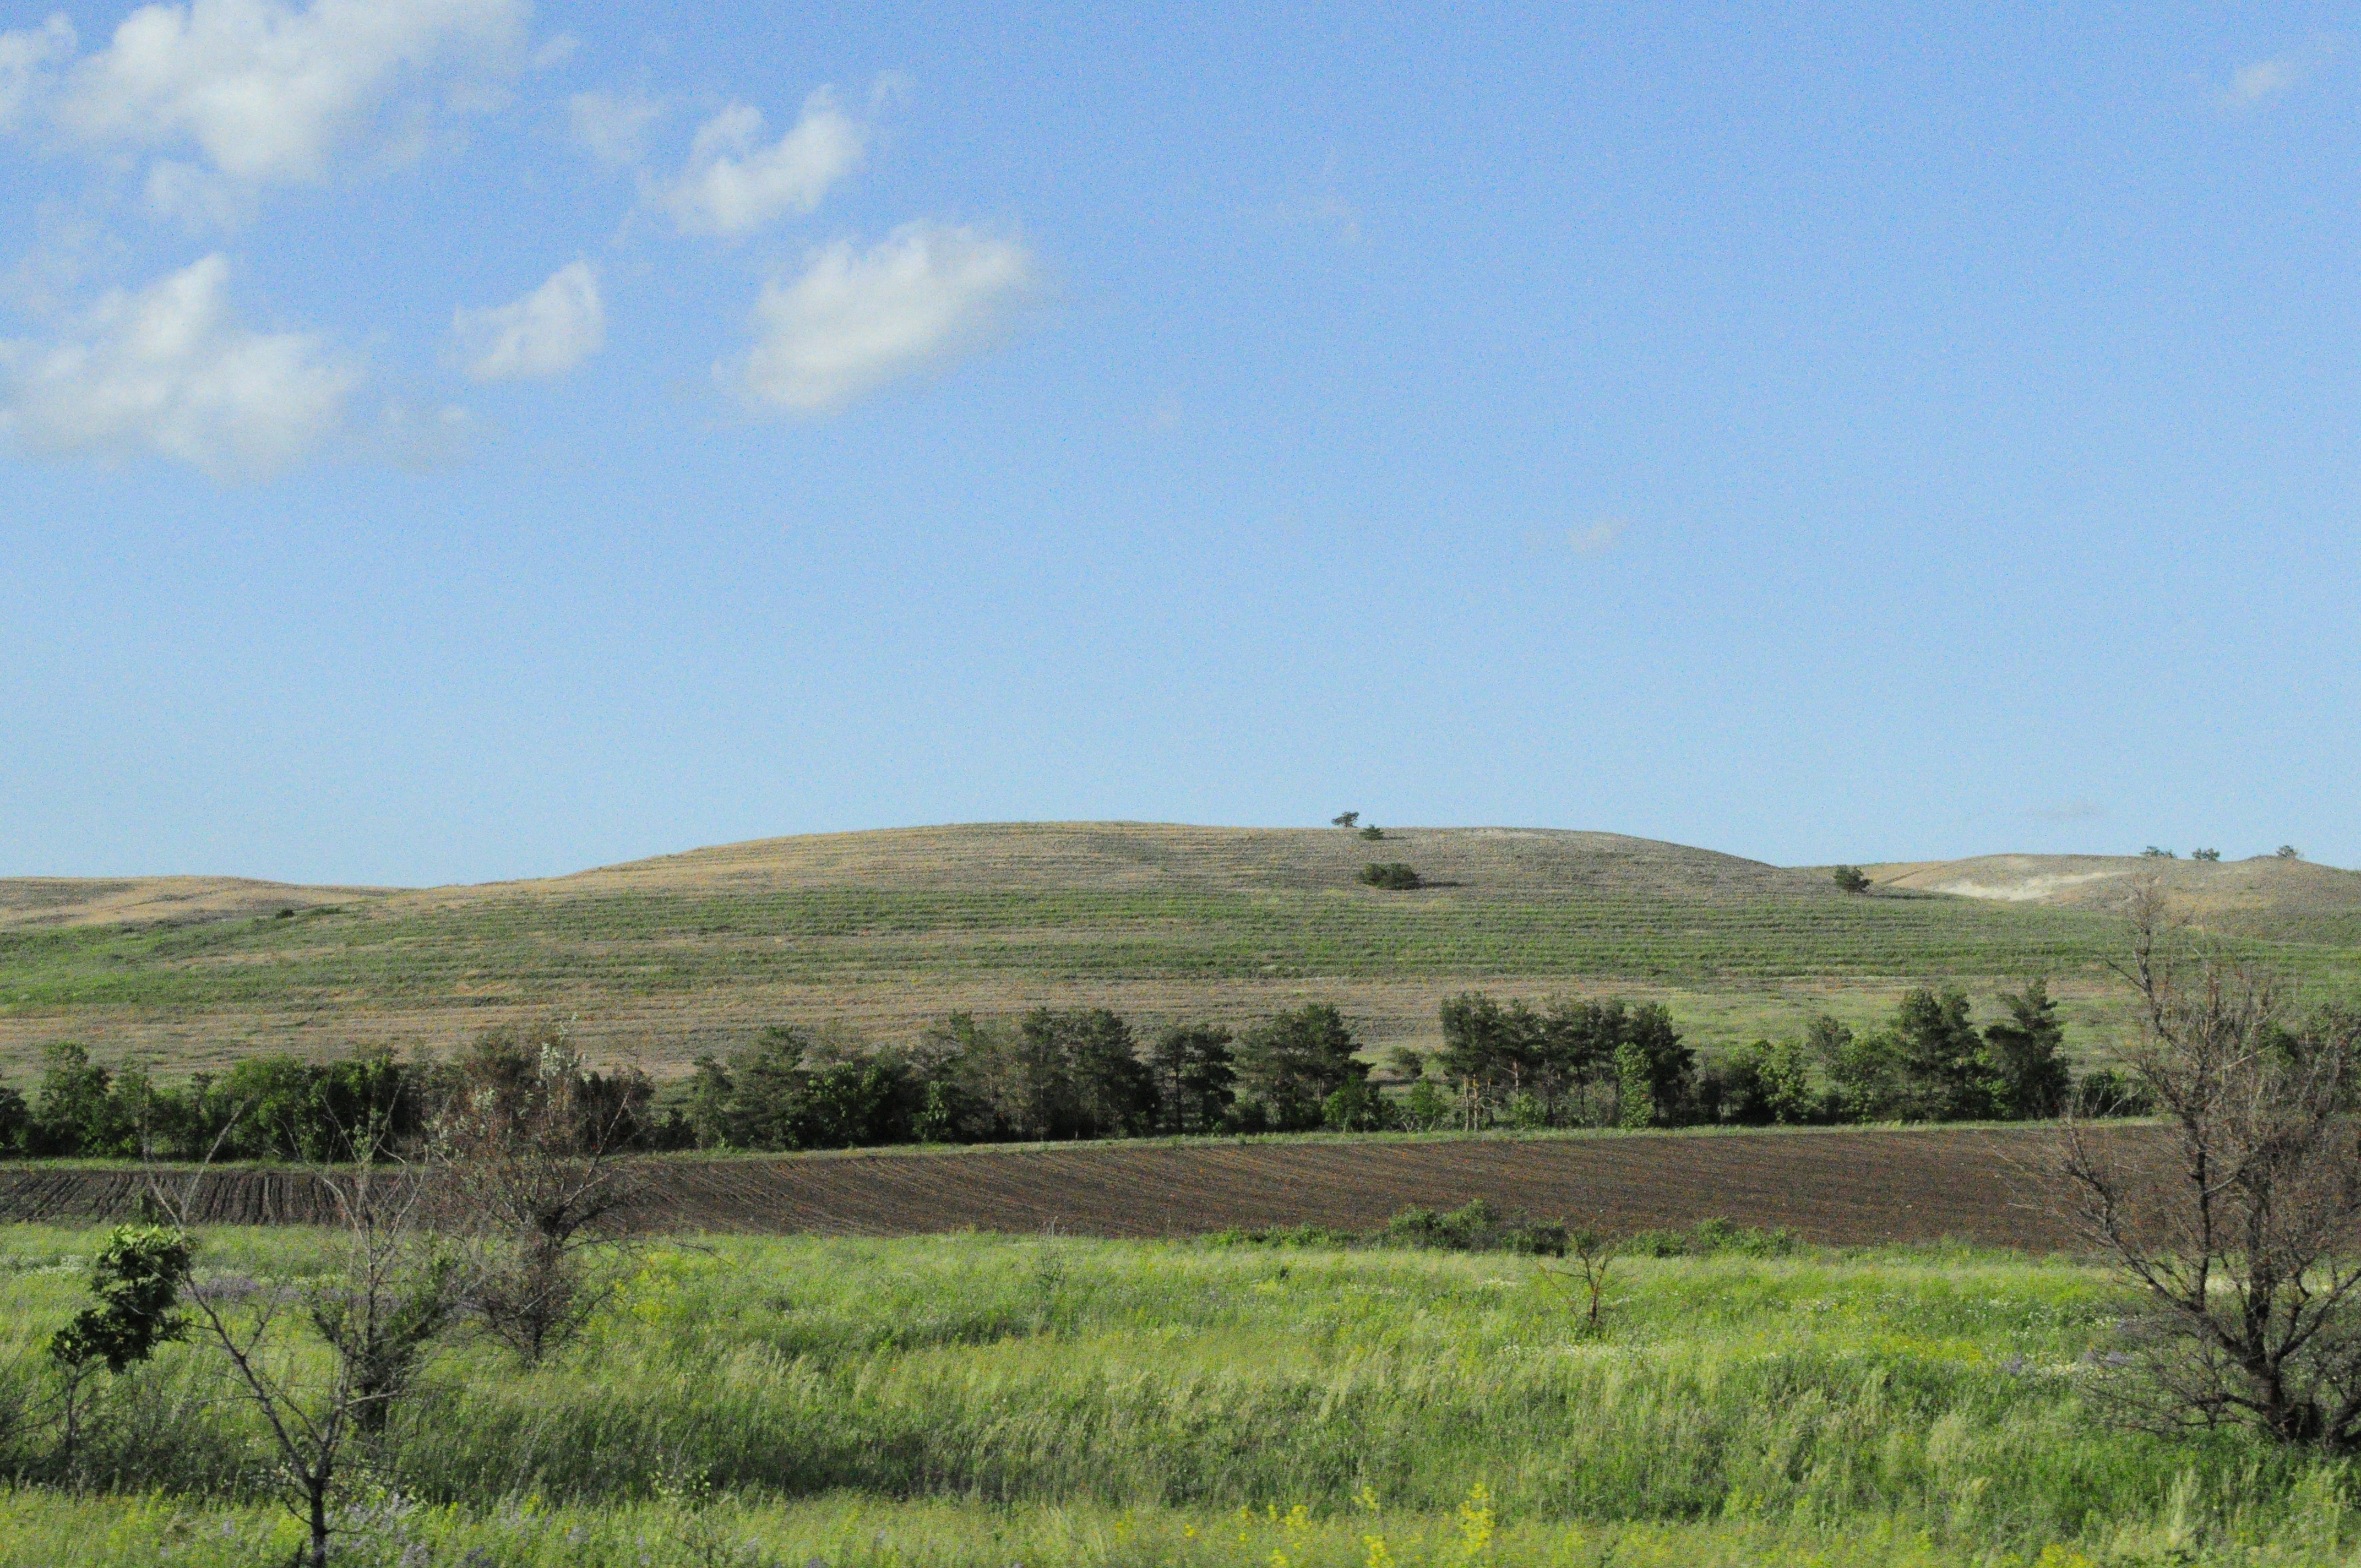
[(1839, 1188)]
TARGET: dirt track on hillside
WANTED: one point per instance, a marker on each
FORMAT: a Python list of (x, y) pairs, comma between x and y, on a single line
[(1839, 1187)]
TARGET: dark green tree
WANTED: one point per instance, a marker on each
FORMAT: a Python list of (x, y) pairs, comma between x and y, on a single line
[(2025, 1072), (1290, 1064), (76, 1112), (1852, 879), (1926, 1065), (1190, 1066), (1357, 1106), (1113, 1092), (16, 1120), (1654, 1072)]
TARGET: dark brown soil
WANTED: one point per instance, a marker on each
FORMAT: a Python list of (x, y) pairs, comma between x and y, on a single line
[(1978, 1185)]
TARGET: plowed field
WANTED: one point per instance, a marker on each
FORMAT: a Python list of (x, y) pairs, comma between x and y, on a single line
[(1838, 1188)]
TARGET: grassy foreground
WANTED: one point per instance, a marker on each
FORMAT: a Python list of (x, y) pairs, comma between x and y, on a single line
[(974, 1400)]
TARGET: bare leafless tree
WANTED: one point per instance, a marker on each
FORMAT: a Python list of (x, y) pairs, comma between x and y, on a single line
[(530, 1147), (390, 1288), (2240, 1224)]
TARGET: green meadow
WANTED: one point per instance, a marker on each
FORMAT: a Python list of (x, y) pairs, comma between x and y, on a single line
[(980, 1401)]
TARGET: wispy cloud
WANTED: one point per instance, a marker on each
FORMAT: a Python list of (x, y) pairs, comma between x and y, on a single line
[(547, 333), (27, 56), (2254, 86), (613, 127), (853, 319), (168, 370), (1599, 538)]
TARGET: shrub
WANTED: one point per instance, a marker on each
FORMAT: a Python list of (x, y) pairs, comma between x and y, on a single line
[(1710, 1238), (1391, 876), (1852, 879), (1478, 1227)]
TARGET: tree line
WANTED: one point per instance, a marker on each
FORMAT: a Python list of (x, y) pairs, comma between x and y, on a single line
[(1077, 1073)]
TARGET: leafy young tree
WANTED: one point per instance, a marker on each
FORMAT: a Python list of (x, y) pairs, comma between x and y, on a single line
[(1290, 1063), (1852, 879), (2205, 854), (135, 1277), (1344, 820)]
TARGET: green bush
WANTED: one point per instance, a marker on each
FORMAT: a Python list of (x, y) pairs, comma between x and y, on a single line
[(1710, 1238), (1391, 876)]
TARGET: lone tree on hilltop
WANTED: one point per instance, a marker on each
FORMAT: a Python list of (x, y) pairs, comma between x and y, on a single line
[(2290, 852), (1852, 879), (1344, 820), (2204, 854), (2244, 1231)]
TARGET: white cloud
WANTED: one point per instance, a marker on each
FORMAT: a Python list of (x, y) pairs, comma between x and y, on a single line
[(166, 370), (733, 186), (614, 128), (856, 319), (2258, 83), (267, 92), (547, 333), (1599, 538), (25, 58)]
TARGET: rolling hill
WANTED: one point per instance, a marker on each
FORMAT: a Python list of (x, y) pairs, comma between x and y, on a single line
[(671, 957)]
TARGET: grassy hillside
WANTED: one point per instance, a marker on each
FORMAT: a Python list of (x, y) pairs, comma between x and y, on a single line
[(689, 952)]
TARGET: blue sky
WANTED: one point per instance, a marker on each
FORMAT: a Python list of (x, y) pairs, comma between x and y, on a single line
[(454, 438)]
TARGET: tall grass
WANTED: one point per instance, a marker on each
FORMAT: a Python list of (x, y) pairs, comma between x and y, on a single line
[(1932, 1402)]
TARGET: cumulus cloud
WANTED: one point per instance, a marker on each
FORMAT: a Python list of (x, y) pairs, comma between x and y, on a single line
[(734, 184), (26, 58), (264, 91), (855, 319), (612, 128), (166, 370), (547, 333)]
